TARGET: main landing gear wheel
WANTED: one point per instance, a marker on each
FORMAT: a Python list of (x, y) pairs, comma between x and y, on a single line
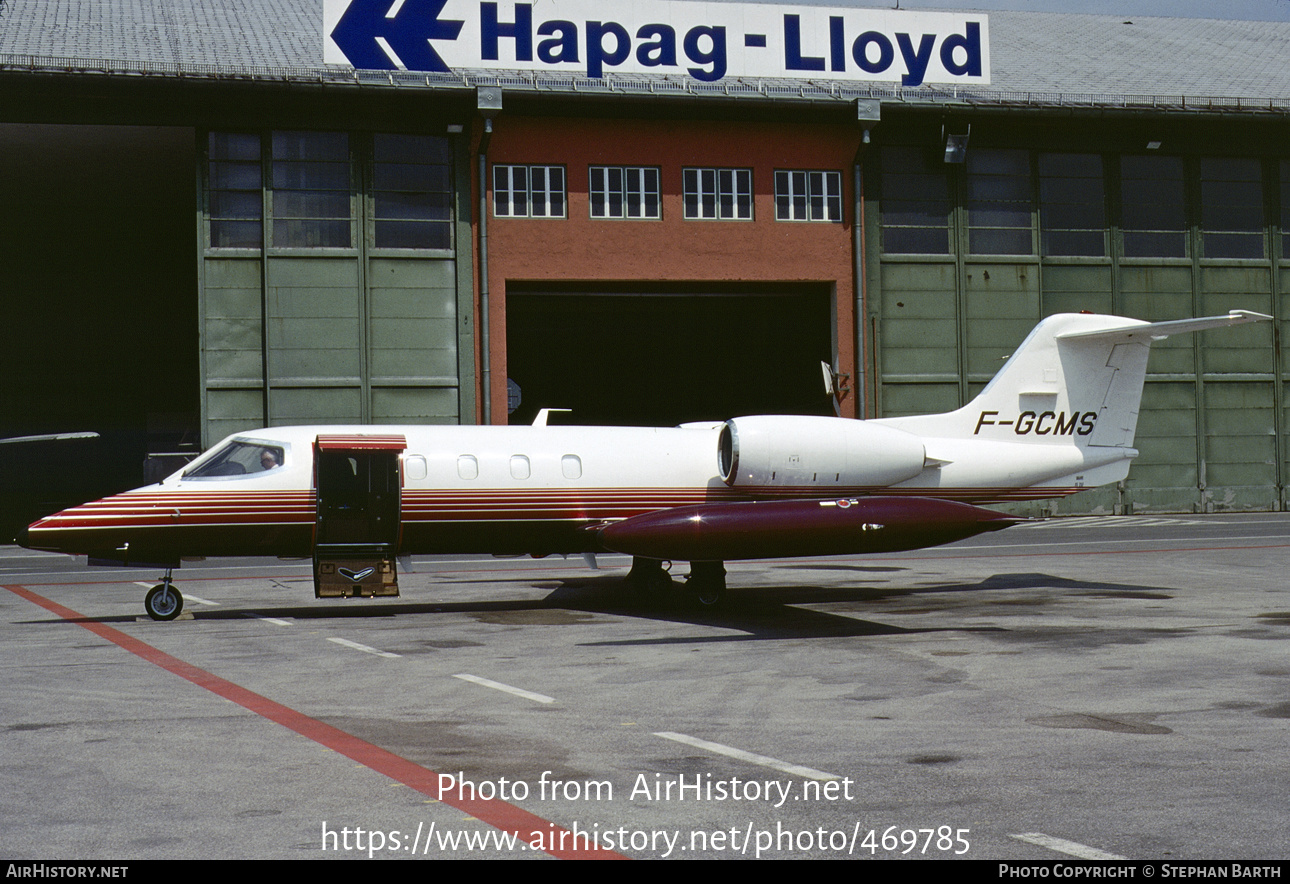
[(706, 583), (648, 577), (163, 602)]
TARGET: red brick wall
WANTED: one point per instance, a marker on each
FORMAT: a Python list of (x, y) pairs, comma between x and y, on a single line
[(671, 250)]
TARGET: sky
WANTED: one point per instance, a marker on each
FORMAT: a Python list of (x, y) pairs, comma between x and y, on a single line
[(1252, 10)]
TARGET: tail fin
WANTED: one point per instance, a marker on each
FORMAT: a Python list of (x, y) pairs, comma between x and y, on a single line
[(1077, 378)]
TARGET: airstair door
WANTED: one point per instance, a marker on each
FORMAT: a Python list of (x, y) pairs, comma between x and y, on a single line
[(358, 483)]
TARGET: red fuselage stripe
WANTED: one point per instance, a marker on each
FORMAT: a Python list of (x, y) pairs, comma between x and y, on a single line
[(199, 508)]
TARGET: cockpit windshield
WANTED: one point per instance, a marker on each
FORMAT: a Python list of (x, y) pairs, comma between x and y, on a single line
[(239, 458)]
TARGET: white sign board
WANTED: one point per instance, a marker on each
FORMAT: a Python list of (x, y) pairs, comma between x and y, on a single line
[(709, 42)]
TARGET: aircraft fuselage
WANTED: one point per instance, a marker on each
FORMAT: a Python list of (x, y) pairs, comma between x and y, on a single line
[(505, 490)]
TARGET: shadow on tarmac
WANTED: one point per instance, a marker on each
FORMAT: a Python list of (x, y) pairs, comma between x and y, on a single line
[(758, 613)]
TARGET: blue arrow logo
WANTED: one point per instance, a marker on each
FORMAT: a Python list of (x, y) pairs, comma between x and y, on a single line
[(408, 33)]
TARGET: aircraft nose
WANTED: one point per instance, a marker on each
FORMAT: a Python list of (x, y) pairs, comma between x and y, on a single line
[(21, 537)]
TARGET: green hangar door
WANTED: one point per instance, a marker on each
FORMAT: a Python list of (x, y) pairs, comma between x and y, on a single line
[(659, 358)]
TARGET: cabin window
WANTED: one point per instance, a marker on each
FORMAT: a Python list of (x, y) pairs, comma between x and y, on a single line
[(519, 467), (240, 458), (571, 466), (468, 467), (414, 467)]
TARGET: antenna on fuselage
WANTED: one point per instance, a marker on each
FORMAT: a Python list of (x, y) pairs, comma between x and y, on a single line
[(544, 413)]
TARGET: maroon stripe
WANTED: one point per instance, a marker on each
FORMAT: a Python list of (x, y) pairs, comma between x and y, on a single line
[(296, 508)]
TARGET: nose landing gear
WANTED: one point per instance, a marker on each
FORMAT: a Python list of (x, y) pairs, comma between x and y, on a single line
[(163, 601)]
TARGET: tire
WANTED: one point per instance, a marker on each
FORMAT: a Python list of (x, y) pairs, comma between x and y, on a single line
[(706, 584), (163, 603), (648, 578)]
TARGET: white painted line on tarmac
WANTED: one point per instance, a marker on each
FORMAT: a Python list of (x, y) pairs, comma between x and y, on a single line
[(195, 599), (796, 770), (1212, 542), (1083, 851), (274, 620), (509, 689), (1117, 522), (364, 648)]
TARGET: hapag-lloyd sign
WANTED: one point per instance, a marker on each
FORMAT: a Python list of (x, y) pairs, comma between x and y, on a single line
[(706, 41)]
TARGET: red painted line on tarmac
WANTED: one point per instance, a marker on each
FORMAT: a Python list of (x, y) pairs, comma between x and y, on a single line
[(498, 814)]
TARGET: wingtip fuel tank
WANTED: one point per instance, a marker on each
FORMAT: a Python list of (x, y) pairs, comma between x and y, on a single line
[(784, 528)]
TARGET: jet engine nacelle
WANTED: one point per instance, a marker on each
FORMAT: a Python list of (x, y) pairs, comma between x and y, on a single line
[(790, 450)]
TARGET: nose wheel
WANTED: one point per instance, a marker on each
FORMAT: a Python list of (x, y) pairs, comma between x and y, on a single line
[(163, 601)]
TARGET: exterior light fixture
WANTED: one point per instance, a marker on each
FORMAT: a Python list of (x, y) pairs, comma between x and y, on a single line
[(956, 141)]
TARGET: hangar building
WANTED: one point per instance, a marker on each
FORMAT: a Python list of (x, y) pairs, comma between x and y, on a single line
[(219, 217)]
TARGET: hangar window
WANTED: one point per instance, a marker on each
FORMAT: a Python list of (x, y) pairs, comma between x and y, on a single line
[(311, 190), (915, 203), (1231, 207), (718, 194), (1000, 203), (235, 200), (1072, 205), (528, 191), (411, 192), (1285, 209), (1154, 209), (808, 196), (624, 192)]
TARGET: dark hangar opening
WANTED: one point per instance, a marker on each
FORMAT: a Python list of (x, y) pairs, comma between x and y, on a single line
[(646, 357), (97, 247)]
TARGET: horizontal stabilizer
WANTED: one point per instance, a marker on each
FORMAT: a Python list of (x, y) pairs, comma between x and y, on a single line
[(48, 437), (1160, 330)]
